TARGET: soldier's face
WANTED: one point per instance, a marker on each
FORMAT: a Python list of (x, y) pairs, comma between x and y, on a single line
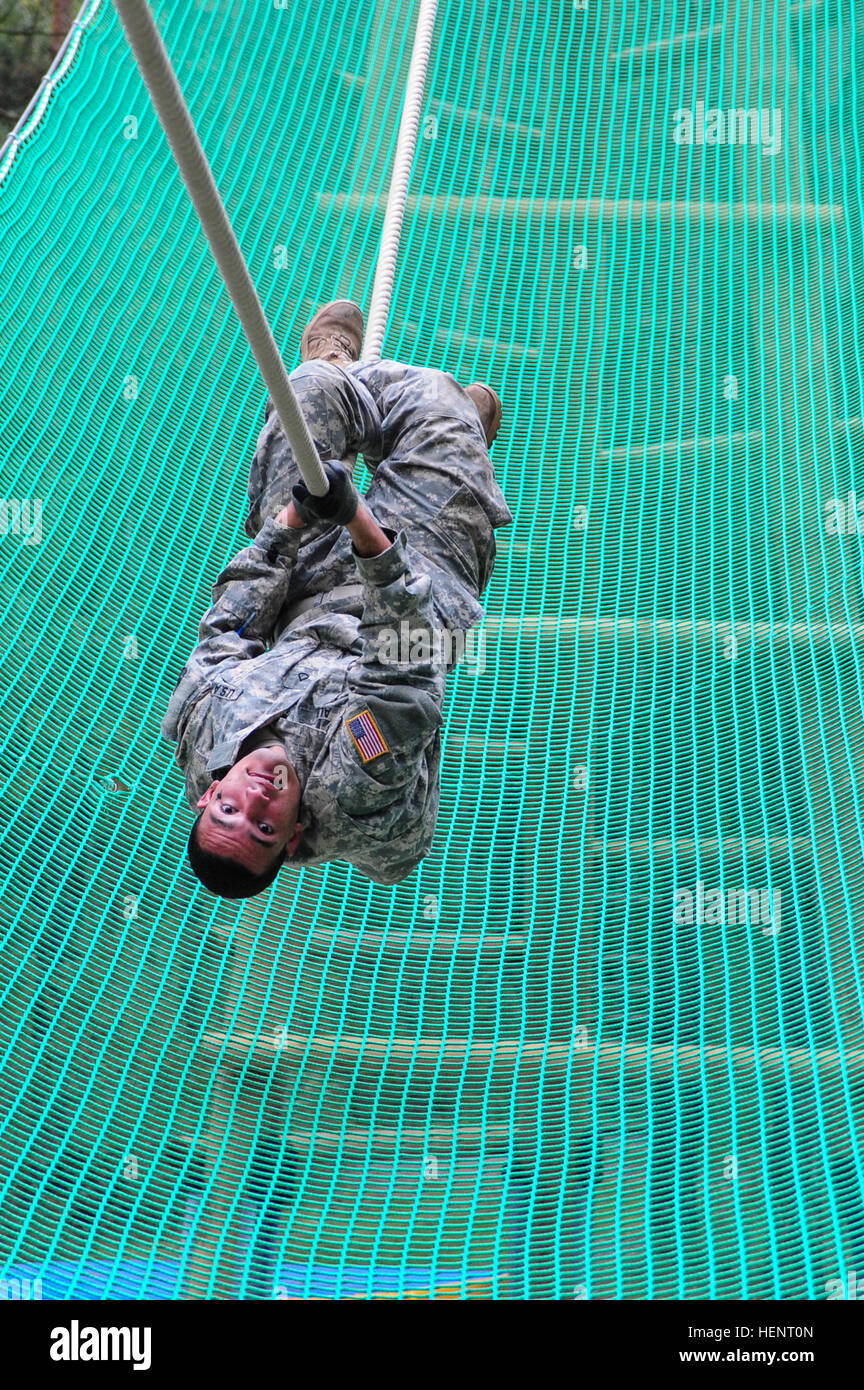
[(250, 815)]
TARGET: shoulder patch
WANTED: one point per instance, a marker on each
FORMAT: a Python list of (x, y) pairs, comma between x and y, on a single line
[(367, 736)]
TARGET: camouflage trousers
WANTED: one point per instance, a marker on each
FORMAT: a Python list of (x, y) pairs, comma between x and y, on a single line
[(420, 434)]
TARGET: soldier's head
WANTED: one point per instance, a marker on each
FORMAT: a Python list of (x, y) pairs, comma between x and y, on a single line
[(247, 825)]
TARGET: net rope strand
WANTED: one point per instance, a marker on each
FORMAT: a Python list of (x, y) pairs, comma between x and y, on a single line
[(385, 269), (158, 73)]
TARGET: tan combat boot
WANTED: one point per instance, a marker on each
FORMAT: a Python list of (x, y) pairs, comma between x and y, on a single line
[(334, 333), (489, 408)]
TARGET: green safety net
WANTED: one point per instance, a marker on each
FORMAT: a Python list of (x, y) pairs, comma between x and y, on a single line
[(606, 1042)]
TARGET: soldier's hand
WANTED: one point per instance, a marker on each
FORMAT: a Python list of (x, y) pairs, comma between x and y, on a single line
[(338, 505), (289, 516)]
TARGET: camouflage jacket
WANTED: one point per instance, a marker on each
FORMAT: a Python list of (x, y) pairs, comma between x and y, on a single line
[(377, 812)]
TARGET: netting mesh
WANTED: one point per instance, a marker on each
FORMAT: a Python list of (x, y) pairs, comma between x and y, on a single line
[(607, 1040)]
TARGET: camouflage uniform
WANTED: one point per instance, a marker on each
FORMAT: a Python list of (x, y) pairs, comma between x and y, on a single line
[(433, 481)]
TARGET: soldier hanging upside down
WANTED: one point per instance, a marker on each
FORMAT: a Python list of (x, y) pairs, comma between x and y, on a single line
[(300, 740)]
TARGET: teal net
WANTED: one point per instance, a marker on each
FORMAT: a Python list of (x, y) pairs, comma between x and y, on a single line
[(606, 1041)]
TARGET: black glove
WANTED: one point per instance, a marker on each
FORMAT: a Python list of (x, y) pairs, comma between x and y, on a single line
[(338, 505)]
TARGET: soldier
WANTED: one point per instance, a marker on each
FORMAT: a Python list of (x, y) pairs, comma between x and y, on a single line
[(301, 739)]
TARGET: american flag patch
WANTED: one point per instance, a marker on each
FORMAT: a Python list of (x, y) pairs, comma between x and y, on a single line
[(367, 736)]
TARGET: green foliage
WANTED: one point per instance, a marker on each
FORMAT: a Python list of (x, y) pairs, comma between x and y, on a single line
[(26, 52)]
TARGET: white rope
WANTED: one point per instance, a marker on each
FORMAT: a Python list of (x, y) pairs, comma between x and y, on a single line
[(156, 69), (385, 270)]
